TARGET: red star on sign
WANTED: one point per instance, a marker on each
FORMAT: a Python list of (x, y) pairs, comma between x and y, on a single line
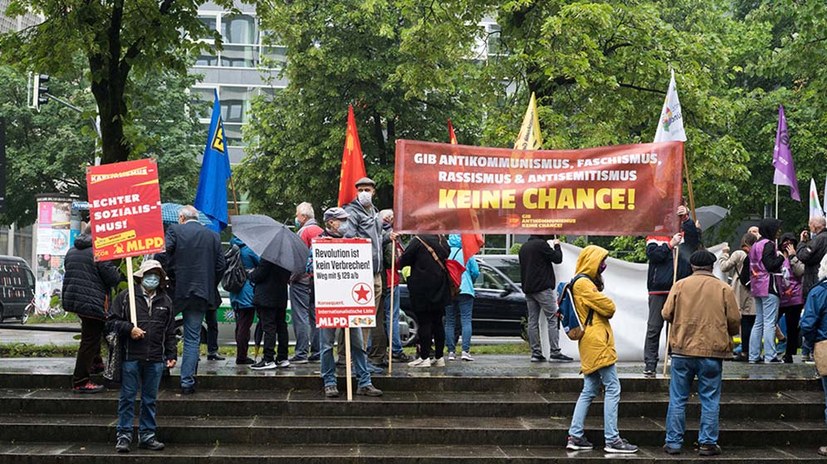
[(361, 293)]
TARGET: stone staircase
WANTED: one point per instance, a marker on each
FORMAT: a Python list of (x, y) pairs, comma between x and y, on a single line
[(470, 412)]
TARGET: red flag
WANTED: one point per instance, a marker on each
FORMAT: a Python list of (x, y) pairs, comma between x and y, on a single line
[(353, 165), (471, 243)]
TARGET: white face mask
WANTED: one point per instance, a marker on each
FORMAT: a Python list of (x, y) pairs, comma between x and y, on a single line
[(365, 198)]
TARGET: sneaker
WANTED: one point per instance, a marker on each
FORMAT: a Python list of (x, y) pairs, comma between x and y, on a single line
[(559, 357), (578, 444), (296, 360), (649, 372), (187, 390), (283, 364), (538, 359), (402, 358), (808, 359), (151, 444), (757, 361), (709, 450), (822, 450), (368, 390), (330, 391), (419, 362), (243, 362), (620, 446), (452, 356), (466, 356), (438, 362), (88, 388), (775, 360), (263, 365), (214, 357), (671, 450), (122, 445)]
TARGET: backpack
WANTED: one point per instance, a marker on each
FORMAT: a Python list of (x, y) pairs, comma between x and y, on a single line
[(574, 328), (744, 273), (235, 276), (455, 270)]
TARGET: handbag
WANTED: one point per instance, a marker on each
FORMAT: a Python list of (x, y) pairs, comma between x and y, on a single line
[(454, 279), (114, 361), (820, 355)]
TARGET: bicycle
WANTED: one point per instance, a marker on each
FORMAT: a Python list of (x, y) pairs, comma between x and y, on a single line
[(53, 311)]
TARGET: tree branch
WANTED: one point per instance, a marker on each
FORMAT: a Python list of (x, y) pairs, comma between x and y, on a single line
[(642, 89)]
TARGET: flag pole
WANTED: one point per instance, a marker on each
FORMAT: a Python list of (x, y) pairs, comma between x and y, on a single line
[(235, 198), (776, 201), (391, 305), (689, 188)]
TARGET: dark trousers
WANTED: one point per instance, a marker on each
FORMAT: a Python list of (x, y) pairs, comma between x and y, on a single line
[(747, 321), (274, 324), (211, 318), (89, 350), (431, 330), (654, 327), (793, 314), (243, 322)]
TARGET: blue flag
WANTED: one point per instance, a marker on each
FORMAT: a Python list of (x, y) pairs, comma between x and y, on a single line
[(211, 197)]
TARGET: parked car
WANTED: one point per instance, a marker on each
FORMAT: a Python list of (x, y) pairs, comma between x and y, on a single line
[(500, 308), (507, 264), (16, 288)]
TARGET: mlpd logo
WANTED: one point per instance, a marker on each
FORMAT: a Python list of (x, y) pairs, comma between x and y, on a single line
[(361, 293)]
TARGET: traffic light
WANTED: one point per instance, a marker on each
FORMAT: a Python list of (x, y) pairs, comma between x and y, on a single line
[(40, 91)]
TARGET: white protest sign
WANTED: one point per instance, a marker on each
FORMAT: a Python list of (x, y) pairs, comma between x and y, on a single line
[(343, 279)]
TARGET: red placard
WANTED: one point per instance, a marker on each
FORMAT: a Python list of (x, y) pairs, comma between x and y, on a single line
[(125, 209), (617, 190)]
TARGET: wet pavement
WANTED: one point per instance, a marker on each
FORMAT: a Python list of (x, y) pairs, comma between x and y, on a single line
[(40, 338)]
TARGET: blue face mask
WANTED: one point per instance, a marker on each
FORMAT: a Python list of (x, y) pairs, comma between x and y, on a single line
[(151, 281), (297, 223)]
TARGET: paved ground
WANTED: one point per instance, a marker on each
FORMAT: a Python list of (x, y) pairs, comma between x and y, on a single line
[(483, 366)]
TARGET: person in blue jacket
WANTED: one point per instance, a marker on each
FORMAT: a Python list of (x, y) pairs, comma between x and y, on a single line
[(814, 322), (463, 303), (242, 303)]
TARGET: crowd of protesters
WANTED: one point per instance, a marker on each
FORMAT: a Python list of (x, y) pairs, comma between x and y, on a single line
[(771, 275)]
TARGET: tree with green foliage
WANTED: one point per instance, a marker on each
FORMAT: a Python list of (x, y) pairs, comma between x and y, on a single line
[(117, 40), (48, 151), (403, 64)]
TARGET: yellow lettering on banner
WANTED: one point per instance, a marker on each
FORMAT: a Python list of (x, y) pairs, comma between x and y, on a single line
[(585, 198), (145, 244), (566, 199), (101, 242), (490, 200), (602, 203), (618, 199), (446, 199)]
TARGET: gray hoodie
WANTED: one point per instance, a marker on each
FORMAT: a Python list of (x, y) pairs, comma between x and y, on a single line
[(366, 224)]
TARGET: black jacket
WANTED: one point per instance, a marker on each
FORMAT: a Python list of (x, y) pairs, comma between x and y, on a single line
[(196, 261), (536, 259), (85, 282), (270, 290), (661, 265), (159, 344), (811, 253), (428, 285)]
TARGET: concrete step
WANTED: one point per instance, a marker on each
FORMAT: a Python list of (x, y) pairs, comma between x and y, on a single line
[(392, 430), (223, 453), (783, 405)]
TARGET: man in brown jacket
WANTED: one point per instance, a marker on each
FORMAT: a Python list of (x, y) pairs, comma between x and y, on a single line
[(704, 316)]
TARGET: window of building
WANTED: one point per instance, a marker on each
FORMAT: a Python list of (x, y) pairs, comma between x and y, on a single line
[(239, 29)]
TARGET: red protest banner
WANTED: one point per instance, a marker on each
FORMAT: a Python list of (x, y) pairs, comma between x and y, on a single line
[(125, 209), (618, 190)]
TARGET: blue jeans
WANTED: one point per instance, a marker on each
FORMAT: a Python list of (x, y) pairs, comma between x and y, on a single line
[(147, 375), (357, 354), (193, 311), (824, 386), (684, 370), (607, 377), (766, 311), (464, 305), (304, 321), (396, 344)]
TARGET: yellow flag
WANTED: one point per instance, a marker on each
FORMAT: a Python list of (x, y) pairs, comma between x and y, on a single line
[(530, 137)]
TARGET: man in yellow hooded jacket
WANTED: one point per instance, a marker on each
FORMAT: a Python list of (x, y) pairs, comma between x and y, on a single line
[(597, 355)]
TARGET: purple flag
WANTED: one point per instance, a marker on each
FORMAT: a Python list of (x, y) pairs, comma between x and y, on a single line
[(782, 158)]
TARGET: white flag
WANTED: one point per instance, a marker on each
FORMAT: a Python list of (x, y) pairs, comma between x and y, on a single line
[(670, 125), (825, 194), (815, 207)]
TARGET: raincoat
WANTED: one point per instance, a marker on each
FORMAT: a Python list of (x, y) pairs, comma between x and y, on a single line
[(597, 347)]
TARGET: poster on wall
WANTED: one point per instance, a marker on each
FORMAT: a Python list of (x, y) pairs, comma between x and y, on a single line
[(57, 224)]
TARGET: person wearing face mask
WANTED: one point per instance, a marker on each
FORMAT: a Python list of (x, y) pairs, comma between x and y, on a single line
[(537, 259), (336, 226), (704, 315), (598, 357), (148, 347), (364, 222), (301, 292)]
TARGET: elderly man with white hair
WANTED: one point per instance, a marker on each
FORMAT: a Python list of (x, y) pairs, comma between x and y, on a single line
[(814, 322), (301, 292)]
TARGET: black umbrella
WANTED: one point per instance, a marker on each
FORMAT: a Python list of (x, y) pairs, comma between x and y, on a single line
[(708, 216), (272, 241)]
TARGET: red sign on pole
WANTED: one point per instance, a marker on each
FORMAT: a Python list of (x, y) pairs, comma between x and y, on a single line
[(125, 209)]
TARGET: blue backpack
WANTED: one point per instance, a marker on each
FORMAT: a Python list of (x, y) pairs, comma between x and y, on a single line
[(574, 327)]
